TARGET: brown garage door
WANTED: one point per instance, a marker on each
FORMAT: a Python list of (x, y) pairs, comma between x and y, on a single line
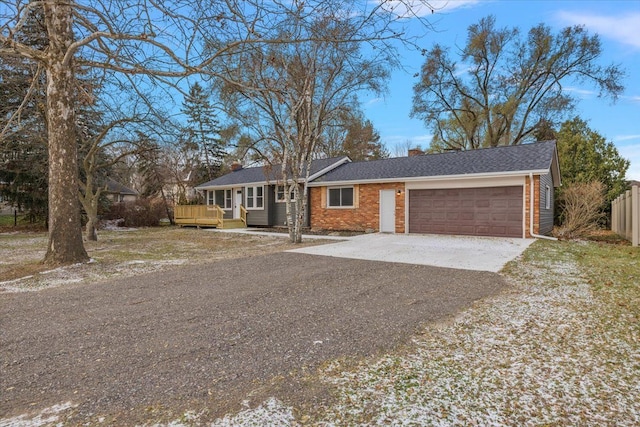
[(492, 211)]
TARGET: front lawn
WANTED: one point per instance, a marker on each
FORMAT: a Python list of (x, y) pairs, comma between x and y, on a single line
[(124, 253)]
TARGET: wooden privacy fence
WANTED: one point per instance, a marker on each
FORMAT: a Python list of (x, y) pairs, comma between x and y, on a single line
[(625, 215)]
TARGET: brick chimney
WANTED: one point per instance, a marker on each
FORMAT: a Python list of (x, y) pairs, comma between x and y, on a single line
[(236, 166), (415, 152)]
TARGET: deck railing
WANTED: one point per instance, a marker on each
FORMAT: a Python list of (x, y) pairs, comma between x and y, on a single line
[(198, 215), (243, 215)]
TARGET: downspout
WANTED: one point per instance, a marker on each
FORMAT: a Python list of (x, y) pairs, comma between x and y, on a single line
[(531, 208)]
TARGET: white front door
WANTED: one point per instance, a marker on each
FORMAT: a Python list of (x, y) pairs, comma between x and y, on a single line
[(387, 211), (237, 202)]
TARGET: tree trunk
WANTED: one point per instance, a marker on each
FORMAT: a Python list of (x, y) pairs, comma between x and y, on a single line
[(90, 230), (65, 229), (90, 204), (166, 207)]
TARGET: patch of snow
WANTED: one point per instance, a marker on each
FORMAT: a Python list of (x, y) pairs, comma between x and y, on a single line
[(47, 416), (271, 413)]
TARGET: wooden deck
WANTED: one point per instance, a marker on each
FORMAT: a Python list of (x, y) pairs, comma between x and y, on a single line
[(207, 216)]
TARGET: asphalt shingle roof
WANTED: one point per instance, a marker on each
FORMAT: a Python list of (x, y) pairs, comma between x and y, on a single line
[(264, 173), (117, 188), (526, 157)]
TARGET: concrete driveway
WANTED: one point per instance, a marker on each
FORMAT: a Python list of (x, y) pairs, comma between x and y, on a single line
[(461, 252)]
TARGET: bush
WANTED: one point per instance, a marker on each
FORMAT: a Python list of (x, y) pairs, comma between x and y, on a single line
[(580, 209), (141, 213)]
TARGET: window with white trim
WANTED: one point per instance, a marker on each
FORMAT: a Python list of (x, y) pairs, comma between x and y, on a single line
[(227, 199), (280, 194), (211, 197), (547, 197), (340, 197), (254, 197)]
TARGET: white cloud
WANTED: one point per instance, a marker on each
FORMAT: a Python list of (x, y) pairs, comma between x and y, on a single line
[(374, 101), (623, 28), (584, 93), (421, 8), (620, 138)]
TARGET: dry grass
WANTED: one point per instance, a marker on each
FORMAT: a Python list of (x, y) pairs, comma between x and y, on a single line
[(125, 253)]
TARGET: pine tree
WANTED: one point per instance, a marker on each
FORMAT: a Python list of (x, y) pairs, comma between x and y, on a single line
[(203, 133), (23, 133)]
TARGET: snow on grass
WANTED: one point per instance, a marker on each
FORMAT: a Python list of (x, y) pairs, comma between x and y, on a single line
[(271, 413), (544, 354), (90, 272), (46, 417)]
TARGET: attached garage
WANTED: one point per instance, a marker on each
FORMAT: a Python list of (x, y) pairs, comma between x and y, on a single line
[(486, 211), (503, 191)]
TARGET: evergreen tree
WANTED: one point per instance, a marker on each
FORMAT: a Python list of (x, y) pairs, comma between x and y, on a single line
[(362, 141), (586, 156), (203, 134), (23, 133)]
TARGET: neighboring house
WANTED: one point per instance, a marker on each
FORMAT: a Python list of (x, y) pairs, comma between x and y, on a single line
[(179, 188), (259, 190), (118, 193), (483, 192)]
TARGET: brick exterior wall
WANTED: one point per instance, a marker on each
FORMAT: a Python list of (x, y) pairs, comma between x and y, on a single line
[(536, 205), (366, 211), (364, 215)]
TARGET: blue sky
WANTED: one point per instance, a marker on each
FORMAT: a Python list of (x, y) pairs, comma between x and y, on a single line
[(617, 23)]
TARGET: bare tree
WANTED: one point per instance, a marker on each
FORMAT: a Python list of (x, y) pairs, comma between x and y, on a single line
[(506, 85), (401, 149), (100, 152), (157, 40), (288, 94)]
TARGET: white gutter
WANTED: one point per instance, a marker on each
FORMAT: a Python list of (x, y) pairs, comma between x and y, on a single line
[(426, 178), (531, 208)]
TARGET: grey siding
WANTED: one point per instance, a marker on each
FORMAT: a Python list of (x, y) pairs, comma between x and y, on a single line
[(279, 217), (279, 214), (260, 217), (546, 215), (228, 213)]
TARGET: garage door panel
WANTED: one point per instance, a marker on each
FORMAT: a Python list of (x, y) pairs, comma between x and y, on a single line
[(492, 211)]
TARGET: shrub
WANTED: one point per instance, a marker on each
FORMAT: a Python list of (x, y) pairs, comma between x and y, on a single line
[(580, 209), (141, 213)]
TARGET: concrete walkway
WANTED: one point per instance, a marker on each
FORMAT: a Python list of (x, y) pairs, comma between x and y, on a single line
[(460, 252), (256, 232)]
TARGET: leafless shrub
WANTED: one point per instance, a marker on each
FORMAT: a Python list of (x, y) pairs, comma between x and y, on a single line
[(580, 209), (141, 213)]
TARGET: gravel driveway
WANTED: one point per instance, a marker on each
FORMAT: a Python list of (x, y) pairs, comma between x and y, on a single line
[(150, 347)]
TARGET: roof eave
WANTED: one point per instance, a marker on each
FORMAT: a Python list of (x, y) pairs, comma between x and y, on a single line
[(329, 168), (430, 178)]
